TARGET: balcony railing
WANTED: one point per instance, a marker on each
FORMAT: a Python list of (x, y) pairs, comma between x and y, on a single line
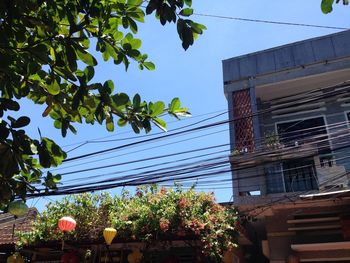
[(321, 173)]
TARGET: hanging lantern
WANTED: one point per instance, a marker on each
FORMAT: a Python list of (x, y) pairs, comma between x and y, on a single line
[(18, 208), (66, 224), (15, 258), (135, 256), (109, 234)]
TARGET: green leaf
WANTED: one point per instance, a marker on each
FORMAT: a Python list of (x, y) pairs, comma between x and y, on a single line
[(89, 73), (157, 108), (111, 51), (188, 2), (108, 86), (118, 35), (21, 122), (86, 57), (106, 56), (10, 104), (56, 178), (136, 101), (135, 43), (133, 25), (135, 128), (134, 2), (186, 12), (44, 158), (53, 88), (110, 123), (72, 129), (149, 65), (125, 22), (71, 58), (197, 28), (160, 123), (57, 124), (174, 105), (327, 6), (120, 99), (122, 122)]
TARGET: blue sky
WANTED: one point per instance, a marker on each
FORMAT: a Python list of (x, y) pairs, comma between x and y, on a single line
[(195, 76)]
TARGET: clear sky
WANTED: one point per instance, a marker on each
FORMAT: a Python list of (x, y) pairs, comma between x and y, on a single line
[(195, 76)]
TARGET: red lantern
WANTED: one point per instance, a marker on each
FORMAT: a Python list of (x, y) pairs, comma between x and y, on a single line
[(70, 257), (66, 224)]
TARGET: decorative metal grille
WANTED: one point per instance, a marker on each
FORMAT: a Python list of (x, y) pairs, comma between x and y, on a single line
[(243, 125)]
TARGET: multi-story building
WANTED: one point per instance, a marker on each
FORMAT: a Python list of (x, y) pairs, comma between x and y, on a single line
[(289, 108)]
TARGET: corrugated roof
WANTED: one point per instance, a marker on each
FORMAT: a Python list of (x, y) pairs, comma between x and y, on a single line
[(23, 223)]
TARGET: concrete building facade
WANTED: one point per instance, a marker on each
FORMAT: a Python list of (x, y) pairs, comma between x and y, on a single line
[(289, 108)]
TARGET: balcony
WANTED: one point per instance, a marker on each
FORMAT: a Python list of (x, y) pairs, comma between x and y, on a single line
[(297, 168), (243, 159)]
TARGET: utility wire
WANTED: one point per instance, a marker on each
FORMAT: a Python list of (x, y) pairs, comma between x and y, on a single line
[(309, 99), (327, 95), (138, 182), (304, 132), (269, 21), (105, 138)]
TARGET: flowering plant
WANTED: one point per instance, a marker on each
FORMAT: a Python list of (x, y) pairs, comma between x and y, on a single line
[(151, 215)]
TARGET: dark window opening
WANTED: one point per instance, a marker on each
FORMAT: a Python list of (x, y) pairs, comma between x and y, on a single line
[(300, 174)]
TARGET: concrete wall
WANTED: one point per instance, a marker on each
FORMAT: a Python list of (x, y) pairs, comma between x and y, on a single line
[(299, 54)]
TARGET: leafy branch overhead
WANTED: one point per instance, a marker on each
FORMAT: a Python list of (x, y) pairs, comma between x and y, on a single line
[(327, 5), (45, 50)]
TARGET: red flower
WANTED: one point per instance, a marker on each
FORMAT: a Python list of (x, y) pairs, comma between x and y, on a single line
[(164, 224), (183, 203)]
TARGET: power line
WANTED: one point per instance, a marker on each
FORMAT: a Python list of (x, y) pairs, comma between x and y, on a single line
[(212, 166), (269, 21), (307, 99), (153, 179), (101, 139), (303, 132)]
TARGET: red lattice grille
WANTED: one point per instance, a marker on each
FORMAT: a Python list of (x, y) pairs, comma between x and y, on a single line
[(244, 130)]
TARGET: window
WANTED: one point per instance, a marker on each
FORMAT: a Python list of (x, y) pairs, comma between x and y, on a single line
[(299, 174)]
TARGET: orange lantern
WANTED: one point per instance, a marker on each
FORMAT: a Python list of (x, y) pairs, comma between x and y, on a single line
[(66, 224)]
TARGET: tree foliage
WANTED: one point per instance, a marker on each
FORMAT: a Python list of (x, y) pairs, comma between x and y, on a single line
[(152, 215), (327, 5), (45, 57)]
